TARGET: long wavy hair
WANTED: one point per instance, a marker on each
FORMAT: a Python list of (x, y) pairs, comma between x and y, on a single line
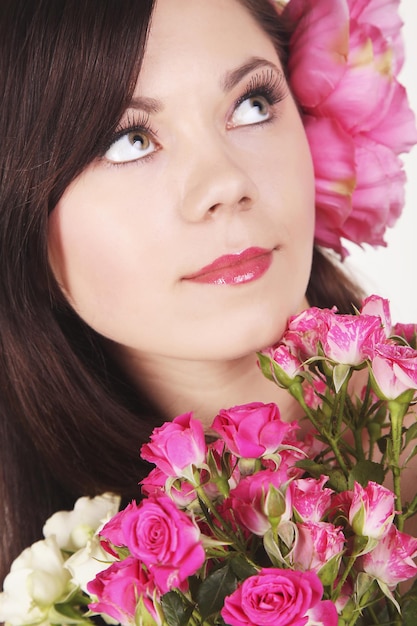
[(70, 423)]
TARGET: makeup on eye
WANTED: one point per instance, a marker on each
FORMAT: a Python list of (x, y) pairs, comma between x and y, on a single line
[(266, 89), (135, 139)]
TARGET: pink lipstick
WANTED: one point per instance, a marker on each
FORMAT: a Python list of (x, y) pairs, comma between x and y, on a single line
[(235, 269)]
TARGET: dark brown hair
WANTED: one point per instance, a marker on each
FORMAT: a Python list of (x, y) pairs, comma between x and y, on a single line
[(70, 424)]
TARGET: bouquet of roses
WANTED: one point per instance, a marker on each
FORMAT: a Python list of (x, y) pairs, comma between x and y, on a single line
[(255, 526)]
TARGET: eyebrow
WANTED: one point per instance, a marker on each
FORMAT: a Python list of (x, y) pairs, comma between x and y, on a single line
[(149, 105), (227, 83)]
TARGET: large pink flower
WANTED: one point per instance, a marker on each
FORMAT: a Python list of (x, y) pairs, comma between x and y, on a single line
[(378, 197), (394, 369), (333, 151), (391, 561), (279, 597), (119, 588), (319, 48), (251, 430), (384, 15), (345, 56), (176, 446)]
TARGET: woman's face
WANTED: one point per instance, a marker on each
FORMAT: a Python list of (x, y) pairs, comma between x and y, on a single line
[(192, 236)]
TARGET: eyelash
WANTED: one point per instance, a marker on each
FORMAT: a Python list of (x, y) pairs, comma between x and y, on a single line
[(265, 84)]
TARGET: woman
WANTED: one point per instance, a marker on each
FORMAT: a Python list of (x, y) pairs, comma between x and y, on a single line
[(157, 229)]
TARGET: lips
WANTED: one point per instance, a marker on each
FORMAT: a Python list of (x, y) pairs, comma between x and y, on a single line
[(235, 269)]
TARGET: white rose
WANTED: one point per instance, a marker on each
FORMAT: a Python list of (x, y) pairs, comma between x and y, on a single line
[(37, 580), (86, 563), (73, 529)]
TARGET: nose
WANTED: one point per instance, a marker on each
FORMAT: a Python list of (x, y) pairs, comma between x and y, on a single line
[(218, 180)]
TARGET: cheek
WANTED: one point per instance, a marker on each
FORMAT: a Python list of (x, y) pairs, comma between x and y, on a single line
[(76, 249), (89, 244)]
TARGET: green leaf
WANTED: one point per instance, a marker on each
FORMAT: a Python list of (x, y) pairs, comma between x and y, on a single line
[(364, 471), (328, 573), (313, 468), (337, 480), (176, 611), (409, 610), (66, 614), (142, 615), (382, 444), (411, 433), (242, 568), (214, 589), (410, 456)]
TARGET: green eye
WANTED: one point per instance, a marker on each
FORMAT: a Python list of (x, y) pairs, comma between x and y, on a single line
[(130, 146)]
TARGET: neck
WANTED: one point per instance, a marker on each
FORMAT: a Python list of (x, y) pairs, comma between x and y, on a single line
[(204, 388)]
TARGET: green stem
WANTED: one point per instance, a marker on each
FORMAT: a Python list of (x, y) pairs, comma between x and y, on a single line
[(332, 442), (397, 412), (337, 590), (341, 402), (226, 531), (360, 454)]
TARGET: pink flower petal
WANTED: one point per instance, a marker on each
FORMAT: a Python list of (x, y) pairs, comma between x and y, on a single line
[(316, 68)]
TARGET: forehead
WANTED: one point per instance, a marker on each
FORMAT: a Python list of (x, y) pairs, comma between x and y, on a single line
[(200, 38)]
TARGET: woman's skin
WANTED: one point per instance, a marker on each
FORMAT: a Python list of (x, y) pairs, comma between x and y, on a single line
[(210, 161)]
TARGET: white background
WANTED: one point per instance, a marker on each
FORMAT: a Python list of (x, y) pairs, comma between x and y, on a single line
[(392, 271)]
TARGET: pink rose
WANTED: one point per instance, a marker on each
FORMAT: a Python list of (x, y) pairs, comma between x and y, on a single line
[(310, 498), (351, 338), (257, 498), (317, 543), (285, 366), (378, 307), (112, 533), (251, 430), (176, 446), (181, 491), (394, 369), (160, 535), (372, 510), (118, 589), (312, 391), (306, 331), (391, 561), (279, 597)]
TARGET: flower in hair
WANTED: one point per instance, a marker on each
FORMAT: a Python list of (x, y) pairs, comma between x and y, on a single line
[(345, 56)]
